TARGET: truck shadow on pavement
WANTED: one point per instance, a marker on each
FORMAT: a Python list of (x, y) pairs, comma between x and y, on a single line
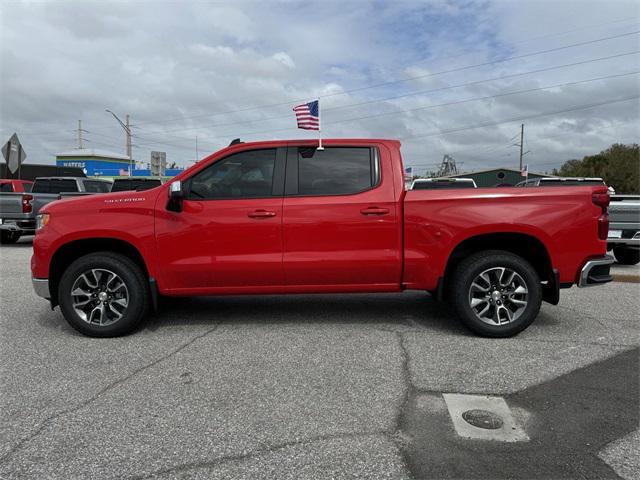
[(409, 309)]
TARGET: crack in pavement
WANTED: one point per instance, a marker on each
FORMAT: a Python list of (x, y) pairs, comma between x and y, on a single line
[(255, 453), (46, 422), (393, 435)]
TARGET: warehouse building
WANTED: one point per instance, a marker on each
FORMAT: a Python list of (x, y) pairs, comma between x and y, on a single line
[(498, 176), (101, 163)]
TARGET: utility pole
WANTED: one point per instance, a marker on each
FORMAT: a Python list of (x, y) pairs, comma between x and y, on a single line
[(521, 144), (127, 130)]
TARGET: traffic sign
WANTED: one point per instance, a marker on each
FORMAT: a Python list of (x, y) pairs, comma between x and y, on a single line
[(13, 153)]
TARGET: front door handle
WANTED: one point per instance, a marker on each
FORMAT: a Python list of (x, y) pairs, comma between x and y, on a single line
[(261, 214), (374, 211)]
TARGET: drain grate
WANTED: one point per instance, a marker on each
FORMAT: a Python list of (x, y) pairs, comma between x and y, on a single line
[(483, 419)]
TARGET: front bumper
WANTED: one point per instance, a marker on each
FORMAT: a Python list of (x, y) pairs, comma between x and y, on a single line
[(41, 287), (596, 272)]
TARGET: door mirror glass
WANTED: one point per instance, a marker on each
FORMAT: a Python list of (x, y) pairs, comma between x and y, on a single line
[(175, 196), (175, 189)]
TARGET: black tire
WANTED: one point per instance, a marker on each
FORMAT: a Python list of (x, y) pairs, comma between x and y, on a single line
[(470, 268), (7, 237), (130, 274), (627, 256)]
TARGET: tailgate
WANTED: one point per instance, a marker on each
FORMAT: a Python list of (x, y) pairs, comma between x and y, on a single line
[(10, 204)]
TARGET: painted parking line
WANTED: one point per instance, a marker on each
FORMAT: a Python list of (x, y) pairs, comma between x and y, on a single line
[(481, 417)]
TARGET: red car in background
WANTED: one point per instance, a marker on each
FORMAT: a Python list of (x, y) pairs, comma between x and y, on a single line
[(15, 186)]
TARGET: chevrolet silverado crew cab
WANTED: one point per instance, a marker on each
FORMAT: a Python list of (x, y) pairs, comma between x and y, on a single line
[(282, 217)]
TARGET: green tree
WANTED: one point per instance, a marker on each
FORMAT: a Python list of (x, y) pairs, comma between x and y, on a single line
[(618, 166)]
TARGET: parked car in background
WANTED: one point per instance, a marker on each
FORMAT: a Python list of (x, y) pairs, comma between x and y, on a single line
[(560, 182), (624, 228), (135, 183), (10, 185), (442, 183), (18, 210), (283, 217), (59, 185)]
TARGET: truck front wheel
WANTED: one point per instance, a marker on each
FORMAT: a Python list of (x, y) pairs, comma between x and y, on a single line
[(103, 295), (496, 293), (627, 256)]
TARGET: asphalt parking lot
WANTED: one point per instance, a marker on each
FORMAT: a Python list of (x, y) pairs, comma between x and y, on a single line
[(324, 386)]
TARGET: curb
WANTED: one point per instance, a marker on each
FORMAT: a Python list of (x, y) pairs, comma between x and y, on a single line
[(626, 278)]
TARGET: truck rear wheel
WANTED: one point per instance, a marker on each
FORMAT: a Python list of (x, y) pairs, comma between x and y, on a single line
[(496, 293), (627, 256), (103, 295), (7, 237)]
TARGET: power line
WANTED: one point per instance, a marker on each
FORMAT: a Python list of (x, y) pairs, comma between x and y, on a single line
[(366, 87), (556, 34), (417, 77), (516, 119), (395, 97), (438, 105)]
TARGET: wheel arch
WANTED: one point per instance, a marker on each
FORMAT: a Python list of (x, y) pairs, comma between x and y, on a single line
[(71, 251), (524, 245)]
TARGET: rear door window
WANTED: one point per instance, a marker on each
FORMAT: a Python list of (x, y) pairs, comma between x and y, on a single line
[(6, 187), (336, 170)]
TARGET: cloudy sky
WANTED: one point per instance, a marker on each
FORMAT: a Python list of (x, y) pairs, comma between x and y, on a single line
[(455, 77)]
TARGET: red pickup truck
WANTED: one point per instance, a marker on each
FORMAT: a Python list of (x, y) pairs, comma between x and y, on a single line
[(283, 217)]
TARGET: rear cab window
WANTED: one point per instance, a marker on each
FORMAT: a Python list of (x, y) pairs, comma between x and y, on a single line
[(94, 186), (55, 185), (441, 185)]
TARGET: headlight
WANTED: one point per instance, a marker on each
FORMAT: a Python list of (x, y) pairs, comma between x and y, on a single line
[(42, 219)]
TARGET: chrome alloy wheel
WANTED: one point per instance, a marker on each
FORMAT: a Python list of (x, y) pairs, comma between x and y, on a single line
[(498, 296), (99, 297)]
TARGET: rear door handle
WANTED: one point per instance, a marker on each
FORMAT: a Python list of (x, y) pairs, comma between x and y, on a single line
[(374, 211), (261, 214)]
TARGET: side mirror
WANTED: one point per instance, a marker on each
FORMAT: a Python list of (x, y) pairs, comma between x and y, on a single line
[(175, 196), (175, 190)]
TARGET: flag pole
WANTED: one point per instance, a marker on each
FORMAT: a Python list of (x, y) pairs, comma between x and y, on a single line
[(320, 147)]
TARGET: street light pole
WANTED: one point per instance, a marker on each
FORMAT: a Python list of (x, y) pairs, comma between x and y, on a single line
[(127, 130)]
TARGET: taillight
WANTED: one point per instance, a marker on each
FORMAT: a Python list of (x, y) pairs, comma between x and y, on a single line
[(602, 199), (603, 226), (26, 204)]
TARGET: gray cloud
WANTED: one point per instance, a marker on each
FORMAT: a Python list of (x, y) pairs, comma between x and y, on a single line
[(192, 69)]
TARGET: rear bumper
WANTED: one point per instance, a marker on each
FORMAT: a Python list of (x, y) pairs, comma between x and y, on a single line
[(596, 272), (627, 242), (26, 227), (41, 287)]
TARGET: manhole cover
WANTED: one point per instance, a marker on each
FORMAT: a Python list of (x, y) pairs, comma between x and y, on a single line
[(482, 419)]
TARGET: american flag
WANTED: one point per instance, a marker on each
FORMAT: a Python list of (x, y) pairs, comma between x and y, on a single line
[(308, 115)]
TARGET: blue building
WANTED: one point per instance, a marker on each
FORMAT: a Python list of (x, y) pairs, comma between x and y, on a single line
[(101, 163)]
